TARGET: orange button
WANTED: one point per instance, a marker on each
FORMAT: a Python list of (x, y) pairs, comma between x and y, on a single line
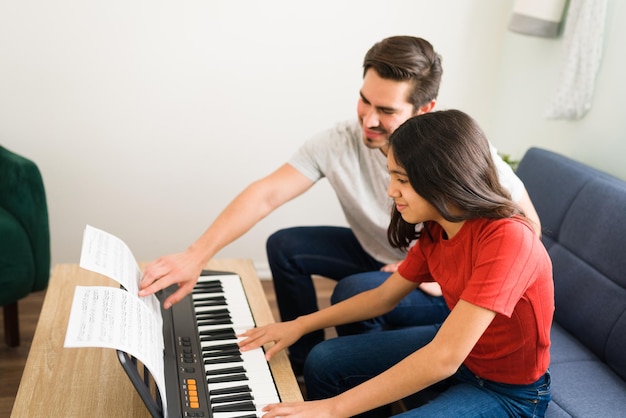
[(193, 393), (193, 399), (192, 387), (191, 381), (194, 405)]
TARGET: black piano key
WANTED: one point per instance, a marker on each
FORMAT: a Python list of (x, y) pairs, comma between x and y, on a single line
[(221, 347), (232, 398), (239, 377), (221, 353), (225, 359), (214, 312), (213, 322), (217, 332), (225, 330), (246, 416), (217, 321), (210, 303), (218, 337), (234, 407), (208, 281), (227, 370), (229, 390), (208, 285), (208, 298), (213, 315)]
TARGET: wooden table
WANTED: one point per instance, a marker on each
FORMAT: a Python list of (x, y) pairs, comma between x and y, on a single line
[(90, 382)]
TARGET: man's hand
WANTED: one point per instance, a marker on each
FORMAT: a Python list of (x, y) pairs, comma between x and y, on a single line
[(430, 288), (391, 268), (282, 334), (179, 268)]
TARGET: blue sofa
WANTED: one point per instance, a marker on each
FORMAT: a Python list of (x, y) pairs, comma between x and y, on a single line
[(583, 215)]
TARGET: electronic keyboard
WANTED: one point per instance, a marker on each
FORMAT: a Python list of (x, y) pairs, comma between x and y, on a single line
[(206, 375)]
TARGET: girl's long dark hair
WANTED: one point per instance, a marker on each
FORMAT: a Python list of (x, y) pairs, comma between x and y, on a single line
[(448, 162)]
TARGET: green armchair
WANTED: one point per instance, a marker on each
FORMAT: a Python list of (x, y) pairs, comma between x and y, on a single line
[(24, 237)]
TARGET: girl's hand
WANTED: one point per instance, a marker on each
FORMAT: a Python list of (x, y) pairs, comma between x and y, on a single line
[(310, 409), (282, 334)]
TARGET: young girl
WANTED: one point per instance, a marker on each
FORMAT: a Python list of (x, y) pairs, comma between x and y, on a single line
[(495, 275)]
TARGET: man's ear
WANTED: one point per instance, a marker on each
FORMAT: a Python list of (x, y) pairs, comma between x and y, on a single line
[(428, 107)]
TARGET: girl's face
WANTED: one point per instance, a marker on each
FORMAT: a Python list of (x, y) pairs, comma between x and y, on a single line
[(413, 207)]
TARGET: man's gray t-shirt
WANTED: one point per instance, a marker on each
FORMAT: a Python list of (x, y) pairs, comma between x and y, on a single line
[(360, 178)]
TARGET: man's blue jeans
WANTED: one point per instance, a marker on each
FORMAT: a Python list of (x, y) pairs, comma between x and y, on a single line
[(339, 364), (416, 309), (294, 254)]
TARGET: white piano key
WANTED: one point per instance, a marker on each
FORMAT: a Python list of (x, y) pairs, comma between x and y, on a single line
[(257, 372)]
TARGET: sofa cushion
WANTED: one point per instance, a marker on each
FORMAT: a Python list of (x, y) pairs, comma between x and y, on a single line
[(582, 385), (552, 182), (594, 227), (589, 266)]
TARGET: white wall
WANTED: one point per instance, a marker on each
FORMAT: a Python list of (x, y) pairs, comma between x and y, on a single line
[(530, 72), (148, 117)]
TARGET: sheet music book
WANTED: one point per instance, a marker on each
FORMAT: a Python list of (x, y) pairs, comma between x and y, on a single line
[(115, 318)]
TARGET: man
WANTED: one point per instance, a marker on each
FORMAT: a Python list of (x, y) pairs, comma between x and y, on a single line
[(401, 77)]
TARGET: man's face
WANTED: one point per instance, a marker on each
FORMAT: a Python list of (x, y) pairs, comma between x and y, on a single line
[(382, 108)]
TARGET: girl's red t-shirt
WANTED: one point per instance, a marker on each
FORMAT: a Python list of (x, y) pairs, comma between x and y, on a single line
[(500, 265)]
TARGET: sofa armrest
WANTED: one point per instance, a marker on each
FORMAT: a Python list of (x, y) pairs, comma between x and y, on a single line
[(23, 195)]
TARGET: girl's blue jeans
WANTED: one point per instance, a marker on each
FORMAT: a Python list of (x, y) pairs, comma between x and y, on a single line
[(339, 364)]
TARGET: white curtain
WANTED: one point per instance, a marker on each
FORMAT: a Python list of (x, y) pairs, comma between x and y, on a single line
[(584, 33)]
